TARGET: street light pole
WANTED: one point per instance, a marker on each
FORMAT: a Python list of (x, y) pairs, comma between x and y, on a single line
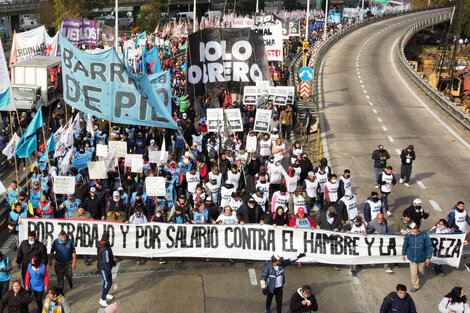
[(362, 11), (194, 17), (116, 24), (326, 19), (306, 22), (256, 6)]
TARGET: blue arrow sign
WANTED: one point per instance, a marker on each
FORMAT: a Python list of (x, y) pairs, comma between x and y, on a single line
[(305, 73)]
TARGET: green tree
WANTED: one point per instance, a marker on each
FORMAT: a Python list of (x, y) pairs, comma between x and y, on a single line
[(47, 15), (151, 15), (466, 19)]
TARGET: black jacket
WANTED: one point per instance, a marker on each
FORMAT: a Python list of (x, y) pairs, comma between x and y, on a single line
[(26, 252), (323, 222), (102, 265), (416, 214), (250, 215), (403, 155), (18, 304), (95, 206), (377, 154), (393, 304), (296, 305)]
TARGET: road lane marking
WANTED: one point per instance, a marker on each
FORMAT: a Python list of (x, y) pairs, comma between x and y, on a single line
[(435, 206), (367, 97), (390, 139), (420, 184), (252, 274), (384, 128), (374, 110), (379, 119), (446, 126), (371, 103), (398, 151), (362, 85), (360, 81)]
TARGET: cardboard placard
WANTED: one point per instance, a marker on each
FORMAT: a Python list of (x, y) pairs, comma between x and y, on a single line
[(215, 120), (129, 157), (137, 165), (64, 185), (97, 170), (262, 120), (120, 147), (234, 120), (155, 186), (101, 150)]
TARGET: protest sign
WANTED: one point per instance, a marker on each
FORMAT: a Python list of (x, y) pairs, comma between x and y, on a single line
[(251, 143), (249, 95), (272, 91), (272, 36), (281, 96), (215, 120), (234, 120), (81, 162), (2, 188), (64, 185), (111, 160), (242, 22), (248, 242), (97, 170), (262, 120), (129, 157), (158, 157), (137, 165), (32, 43), (290, 94), (120, 147), (101, 150), (80, 32), (155, 186)]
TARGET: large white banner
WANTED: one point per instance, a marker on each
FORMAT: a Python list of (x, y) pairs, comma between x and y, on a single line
[(7, 101), (32, 43), (272, 36), (248, 242)]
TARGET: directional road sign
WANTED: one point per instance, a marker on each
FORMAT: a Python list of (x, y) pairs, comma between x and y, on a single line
[(305, 73)]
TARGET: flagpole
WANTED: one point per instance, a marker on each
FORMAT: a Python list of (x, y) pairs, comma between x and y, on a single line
[(194, 17), (49, 163), (66, 115), (14, 156), (116, 24)]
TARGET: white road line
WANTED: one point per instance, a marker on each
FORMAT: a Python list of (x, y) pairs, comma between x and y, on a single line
[(115, 270), (371, 103), (374, 110), (362, 86), (384, 128), (358, 73), (379, 119), (398, 151), (446, 126), (360, 81), (390, 139), (420, 184), (321, 113), (367, 97), (252, 274), (435, 206), (359, 76)]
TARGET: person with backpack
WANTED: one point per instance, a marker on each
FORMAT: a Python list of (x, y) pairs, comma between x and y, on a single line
[(398, 302)]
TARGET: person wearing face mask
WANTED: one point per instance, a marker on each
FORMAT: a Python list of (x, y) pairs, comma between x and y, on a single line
[(454, 302), (158, 217), (212, 189), (275, 172), (25, 204), (295, 151), (5, 269), (322, 178), (398, 301), (105, 264), (407, 157), (306, 166), (264, 147), (372, 207), (345, 183), (250, 213), (380, 157), (417, 248), (417, 212), (27, 250), (199, 214), (101, 137), (379, 225), (331, 191), (386, 180), (330, 220), (441, 227), (347, 207), (280, 199), (179, 217), (296, 201)]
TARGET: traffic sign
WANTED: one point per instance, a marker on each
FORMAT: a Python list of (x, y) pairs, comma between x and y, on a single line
[(305, 45), (305, 73), (304, 89)]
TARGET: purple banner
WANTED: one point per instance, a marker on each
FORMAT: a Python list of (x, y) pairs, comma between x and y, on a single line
[(80, 32)]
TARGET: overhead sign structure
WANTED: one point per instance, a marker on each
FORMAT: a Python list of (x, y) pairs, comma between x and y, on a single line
[(305, 73)]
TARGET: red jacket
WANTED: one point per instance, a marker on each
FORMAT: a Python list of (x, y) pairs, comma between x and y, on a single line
[(292, 220)]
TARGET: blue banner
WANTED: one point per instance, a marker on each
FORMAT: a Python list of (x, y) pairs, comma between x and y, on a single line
[(79, 163), (334, 17), (99, 84), (153, 59), (161, 81)]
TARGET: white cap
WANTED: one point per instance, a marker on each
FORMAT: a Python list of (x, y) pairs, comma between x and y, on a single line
[(311, 173), (116, 194), (186, 154), (417, 201)]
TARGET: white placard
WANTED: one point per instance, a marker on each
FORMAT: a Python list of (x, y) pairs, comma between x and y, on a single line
[(215, 120), (281, 96), (249, 95), (120, 147), (234, 120), (64, 185), (130, 157), (2, 188), (155, 186), (262, 121), (158, 157), (290, 94), (97, 170), (101, 150), (137, 165), (251, 143), (272, 91)]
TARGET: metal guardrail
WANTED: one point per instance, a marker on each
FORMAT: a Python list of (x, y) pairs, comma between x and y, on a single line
[(447, 105)]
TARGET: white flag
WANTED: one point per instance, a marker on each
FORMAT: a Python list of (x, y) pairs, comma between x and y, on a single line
[(111, 160), (10, 148), (89, 125), (76, 123), (65, 165), (67, 136)]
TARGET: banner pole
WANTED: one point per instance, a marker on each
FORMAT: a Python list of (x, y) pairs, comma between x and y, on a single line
[(49, 164), (14, 156)]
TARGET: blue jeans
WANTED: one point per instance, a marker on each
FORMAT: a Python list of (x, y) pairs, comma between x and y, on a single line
[(107, 283), (384, 200), (377, 171)]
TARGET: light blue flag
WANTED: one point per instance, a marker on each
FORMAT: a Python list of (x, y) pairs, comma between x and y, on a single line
[(28, 142), (184, 66), (112, 93), (183, 47), (153, 59), (162, 84), (50, 148), (144, 63), (141, 36), (5, 99)]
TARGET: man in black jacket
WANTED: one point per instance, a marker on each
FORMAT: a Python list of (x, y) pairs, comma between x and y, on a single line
[(28, 249), (407, 157), (250, 213), (416, 212), (95, 205), (380, 157), (398, 301), (303, 300)]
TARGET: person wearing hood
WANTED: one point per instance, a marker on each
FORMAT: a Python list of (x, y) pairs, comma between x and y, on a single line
[(398, 301), (324, 165), (273, 279), (331, 191), (224, 164), (305, 166), (417, 212), (295, 151), (139, 204), (407, 157), (250, 213), (458, 218), (95, 205), (380, 157), (105, 264), (347, 207), (303, 301), (372, 207), (291, 180), (330, 220), (455, 301), (226, 193)]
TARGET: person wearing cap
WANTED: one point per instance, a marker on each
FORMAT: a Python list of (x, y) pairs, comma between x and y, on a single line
[(182, 203), (380, 157), (63, 250), (347, 207), (70, 205), (105, 264), (386, 181), (95, 205), (416, 212), (27, 250), (356, 227), (250, 213), (115, 204), (407, 157), (273, 279), (262, 181), (5, 269), (25, 204), (417, 248), (302, 220), (330, 220)]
